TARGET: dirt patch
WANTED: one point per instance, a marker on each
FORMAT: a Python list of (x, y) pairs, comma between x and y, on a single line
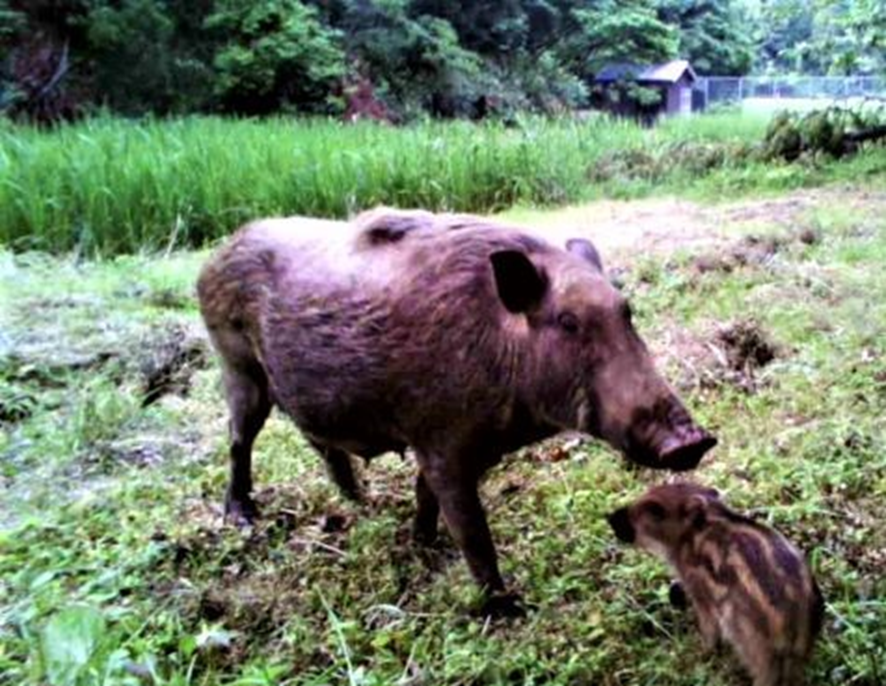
[(731, 353), (749, 251), (160, 360), (169, 299), (753, 250), (747, 346), (21, 386), (623, 230), (170, 360), (138, 451), (52, 372), (783, 211)]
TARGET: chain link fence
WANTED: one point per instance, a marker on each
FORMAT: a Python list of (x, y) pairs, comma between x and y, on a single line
[(767, 93)]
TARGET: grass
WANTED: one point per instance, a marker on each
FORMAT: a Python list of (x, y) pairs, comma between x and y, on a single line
[(115, 568), (110, 186)]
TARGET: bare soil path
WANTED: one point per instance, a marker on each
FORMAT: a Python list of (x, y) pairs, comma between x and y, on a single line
[(624, 230)]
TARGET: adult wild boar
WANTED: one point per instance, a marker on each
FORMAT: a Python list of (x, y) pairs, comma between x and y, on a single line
[(450, 334)]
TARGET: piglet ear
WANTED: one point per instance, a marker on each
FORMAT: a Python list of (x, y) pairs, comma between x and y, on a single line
[(586, 250), (520, 284), (696, 512)]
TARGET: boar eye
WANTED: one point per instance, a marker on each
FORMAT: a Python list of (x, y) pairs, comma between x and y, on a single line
[(655, 511), (626, 312), (568, 322)]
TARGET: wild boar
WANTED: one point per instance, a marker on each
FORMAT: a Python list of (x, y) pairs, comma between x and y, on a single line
[(450, 334), (747, 585)]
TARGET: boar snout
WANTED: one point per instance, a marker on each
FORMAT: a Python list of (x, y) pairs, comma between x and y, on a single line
[(684, 449), (620, 522), (666, 437)]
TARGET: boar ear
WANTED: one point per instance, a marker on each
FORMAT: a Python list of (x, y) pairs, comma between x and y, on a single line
[(520, 285), (584, 249)]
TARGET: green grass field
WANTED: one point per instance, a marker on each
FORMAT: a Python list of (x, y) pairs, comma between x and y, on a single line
[(115, 567), (109, 186)]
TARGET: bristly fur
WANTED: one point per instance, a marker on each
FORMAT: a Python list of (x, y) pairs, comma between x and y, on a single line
[(439, 332), (747, 584)]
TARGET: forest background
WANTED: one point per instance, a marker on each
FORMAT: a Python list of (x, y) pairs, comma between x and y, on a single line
[(404, 59)]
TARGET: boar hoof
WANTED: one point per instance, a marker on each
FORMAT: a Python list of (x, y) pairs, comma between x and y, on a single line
[(677, 596), (503, 606), (241, 512)]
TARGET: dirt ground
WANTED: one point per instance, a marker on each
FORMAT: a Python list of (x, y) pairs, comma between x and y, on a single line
[(623, 230)]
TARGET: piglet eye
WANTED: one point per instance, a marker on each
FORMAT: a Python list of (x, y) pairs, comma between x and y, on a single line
[(655, 511), (568, 322)]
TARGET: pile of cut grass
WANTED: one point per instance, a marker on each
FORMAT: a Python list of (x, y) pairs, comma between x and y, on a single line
[(110, 186)]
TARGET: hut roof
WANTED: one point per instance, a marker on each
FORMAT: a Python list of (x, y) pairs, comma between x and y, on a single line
[(668, 72)]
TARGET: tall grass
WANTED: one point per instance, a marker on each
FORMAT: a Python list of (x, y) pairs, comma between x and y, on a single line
[(110, 186)]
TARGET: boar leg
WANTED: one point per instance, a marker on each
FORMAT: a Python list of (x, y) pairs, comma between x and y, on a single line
[(341, 470), (250, 404), (456, 493), (424, 530)]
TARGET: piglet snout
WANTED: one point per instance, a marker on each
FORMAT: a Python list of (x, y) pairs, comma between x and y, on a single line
[(620, 522)]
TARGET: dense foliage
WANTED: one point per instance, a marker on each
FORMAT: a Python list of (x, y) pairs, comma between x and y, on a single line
[(821, 36), (448, 58)]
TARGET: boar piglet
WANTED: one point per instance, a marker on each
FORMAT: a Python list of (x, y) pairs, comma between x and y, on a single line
[(448, 334), (749, 587)]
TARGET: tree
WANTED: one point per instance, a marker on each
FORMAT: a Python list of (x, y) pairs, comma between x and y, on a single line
[(786, 28), (822, 36), (714, 35), (446, 57), (138, 34), (12, 22), (274, 54), (36, 54), (619, 32), (852, 33), (487, 27), (416, 61)]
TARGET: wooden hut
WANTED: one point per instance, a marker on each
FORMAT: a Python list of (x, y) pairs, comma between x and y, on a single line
[(673, 81)]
